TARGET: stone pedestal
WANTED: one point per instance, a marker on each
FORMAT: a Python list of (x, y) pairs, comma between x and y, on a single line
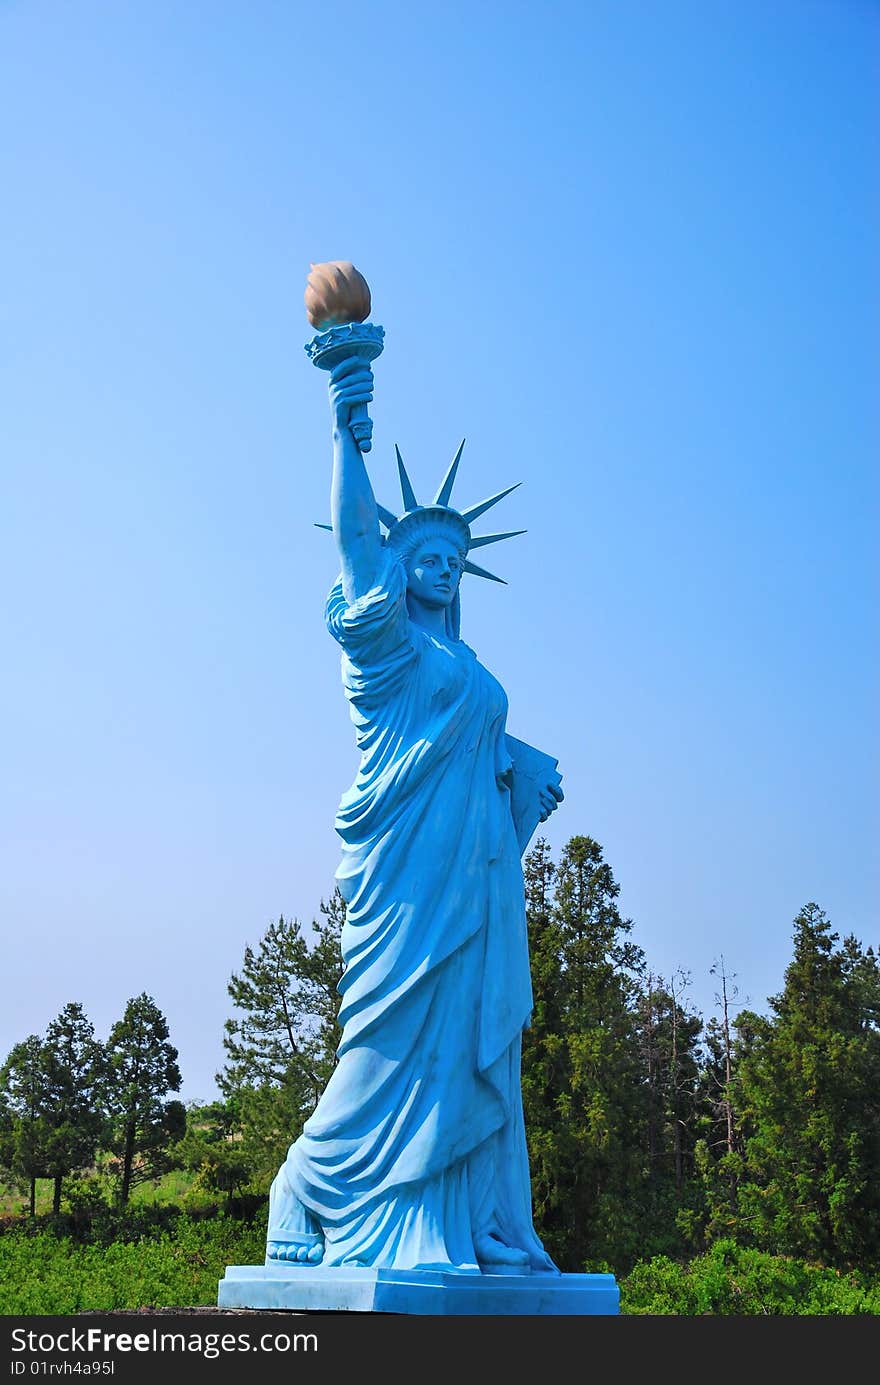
[(305, 1289)]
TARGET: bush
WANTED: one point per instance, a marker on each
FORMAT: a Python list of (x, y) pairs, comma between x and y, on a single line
[(41, 1273), (730, 1280), (179, 1264)]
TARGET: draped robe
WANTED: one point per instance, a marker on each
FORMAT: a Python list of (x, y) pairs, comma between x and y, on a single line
[(417, 1145)]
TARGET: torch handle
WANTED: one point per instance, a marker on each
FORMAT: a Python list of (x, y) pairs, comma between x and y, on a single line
[(361, 425), (362, 339)]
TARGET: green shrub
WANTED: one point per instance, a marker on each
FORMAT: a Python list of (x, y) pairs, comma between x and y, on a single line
[(179, 1263), (41, 1273), (730, 1280)]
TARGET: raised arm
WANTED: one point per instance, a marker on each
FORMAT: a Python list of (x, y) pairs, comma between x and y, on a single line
[(353, 511)]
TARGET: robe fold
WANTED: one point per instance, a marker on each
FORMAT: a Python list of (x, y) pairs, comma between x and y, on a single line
[(417, 1145)]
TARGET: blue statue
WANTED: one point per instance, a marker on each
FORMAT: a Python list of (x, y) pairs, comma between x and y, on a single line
[(415, 1157)]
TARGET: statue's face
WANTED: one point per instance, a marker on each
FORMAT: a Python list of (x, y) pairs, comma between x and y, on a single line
[(434, 572)]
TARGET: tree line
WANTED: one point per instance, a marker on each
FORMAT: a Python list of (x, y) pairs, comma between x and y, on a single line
[(651, 1131), (66, 1097), (654, 1132)]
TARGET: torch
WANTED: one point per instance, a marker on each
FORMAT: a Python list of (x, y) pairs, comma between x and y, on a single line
[(337, 301)]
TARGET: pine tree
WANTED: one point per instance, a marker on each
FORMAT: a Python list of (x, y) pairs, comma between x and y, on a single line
[(648, 1021), (684, 1028), (213, 1148), (544, 1054), (324, 970), (580, 1067), (142, 1071), (663, 1196), (810, 1086), (719, 1149), (670, 1054), (281, 1047), (74, 1065), (23, 1126)]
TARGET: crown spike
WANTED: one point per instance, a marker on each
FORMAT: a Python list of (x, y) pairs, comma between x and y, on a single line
[(476, 510), (481, 572), (445, 491), (495, 538), (328, 527), (409, 495)]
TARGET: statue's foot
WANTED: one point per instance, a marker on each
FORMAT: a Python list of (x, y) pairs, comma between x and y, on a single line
[(294, 1235), (494, 1257), (296, 1252)]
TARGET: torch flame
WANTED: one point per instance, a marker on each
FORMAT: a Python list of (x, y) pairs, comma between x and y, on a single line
[(336, 293)]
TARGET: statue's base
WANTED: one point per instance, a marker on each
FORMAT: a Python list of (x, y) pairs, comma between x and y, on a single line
[(315, 1289)]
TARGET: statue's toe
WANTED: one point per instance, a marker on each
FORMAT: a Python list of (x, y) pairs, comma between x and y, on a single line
[(296, 1252)]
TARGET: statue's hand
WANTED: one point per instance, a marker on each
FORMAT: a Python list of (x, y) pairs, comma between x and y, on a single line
[(351, 382), (550, 797)]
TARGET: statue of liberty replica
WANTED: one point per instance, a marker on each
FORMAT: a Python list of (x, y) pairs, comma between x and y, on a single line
[(408, 1189)]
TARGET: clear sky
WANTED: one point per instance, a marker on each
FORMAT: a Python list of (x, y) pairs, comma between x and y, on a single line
[(630, 251)]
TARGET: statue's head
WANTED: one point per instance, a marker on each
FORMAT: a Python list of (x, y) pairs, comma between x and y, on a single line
[(433, 542), (433, 572)]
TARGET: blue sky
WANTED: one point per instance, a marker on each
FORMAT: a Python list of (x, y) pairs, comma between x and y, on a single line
[(630, 252)]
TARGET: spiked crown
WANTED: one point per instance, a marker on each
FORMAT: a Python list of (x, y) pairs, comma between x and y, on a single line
[(406, 530)]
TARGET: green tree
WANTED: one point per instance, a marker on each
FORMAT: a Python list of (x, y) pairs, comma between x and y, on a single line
[(719, 1149), (74, 1065), (670, 1053), (213, 1148), (544, 1054), (142, 1071), (667, 1203), (23, 1126), (582, 1097), (325, 969), (281, 1047), (810, 1087)]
